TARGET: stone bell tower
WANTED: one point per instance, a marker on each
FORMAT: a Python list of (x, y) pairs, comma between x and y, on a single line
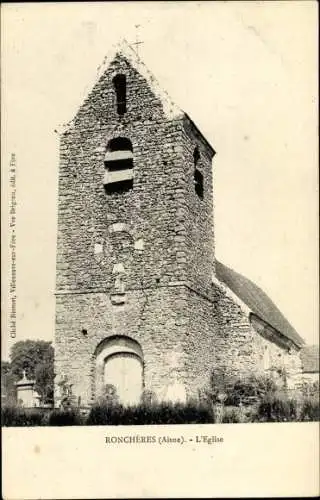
[(135, 248)]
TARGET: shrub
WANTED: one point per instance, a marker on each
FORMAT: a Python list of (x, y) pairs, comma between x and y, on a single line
[(104, 414), (277, 409), (12, 416), (145, 414), (148, 397), (310, 410), (231, 416), (250, 389), (109, 397), (310, 390), (233, 391), (64, 417)]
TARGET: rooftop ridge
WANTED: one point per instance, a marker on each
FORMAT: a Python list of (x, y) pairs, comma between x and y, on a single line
[(257, 301)]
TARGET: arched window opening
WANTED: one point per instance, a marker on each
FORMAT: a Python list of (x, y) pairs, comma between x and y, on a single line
[(119, 82), (119, 144), (119, 165), (197, 176)]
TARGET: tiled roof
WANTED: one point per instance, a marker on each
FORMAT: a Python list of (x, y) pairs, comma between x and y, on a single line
[(310, 359), (257, 301)]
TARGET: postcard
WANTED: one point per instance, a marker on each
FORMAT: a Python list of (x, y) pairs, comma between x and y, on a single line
[(159, 262)]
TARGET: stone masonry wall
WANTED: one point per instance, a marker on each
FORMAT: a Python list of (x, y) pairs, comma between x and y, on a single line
[(200, 345), (152, 317), (159, 231), (199, 224), (240, 346), (162, 209), (150, 209)]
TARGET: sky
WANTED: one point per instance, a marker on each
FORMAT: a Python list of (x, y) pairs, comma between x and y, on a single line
[(246, 73)]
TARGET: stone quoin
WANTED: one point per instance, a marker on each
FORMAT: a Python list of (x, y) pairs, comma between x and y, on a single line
[(142, 305)]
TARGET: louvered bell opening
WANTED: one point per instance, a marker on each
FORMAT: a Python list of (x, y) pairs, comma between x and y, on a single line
[(115, 156), (119, 167), (113, 176), (118, 160)]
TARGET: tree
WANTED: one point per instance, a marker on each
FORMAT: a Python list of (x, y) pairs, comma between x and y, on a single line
[(44, 377), (8, 389), (35, 357)]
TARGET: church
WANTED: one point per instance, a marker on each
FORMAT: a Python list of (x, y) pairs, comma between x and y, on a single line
[(142, 304)]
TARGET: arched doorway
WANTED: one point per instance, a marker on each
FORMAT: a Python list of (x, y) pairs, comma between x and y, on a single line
[(119, 363), (124, 371)]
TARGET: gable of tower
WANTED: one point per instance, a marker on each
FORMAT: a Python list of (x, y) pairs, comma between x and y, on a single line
[(124, 76)]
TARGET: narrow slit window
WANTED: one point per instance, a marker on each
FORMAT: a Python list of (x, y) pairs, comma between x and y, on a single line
[(196, 155), (120, 87), (198, 183), (198, 177)]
